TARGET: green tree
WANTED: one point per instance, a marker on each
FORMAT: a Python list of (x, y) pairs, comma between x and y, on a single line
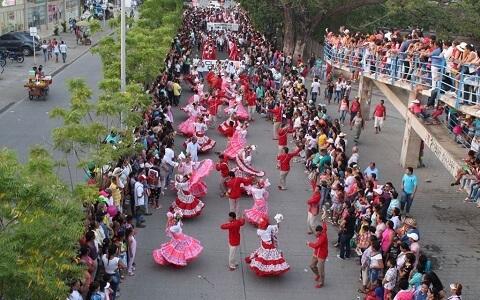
[(40, 224)]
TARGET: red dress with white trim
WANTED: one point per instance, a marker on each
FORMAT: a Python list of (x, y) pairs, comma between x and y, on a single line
[(203, 140), (189, 205), (180, 250), (236, 143), (244, 162), (267, 260)]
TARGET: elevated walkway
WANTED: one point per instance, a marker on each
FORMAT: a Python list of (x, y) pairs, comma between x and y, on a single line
[(436, 137)]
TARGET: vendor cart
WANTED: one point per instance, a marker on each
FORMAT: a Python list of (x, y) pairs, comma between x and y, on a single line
[(38, 88)]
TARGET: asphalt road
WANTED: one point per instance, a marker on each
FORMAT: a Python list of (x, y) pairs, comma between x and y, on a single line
[(28, 123)]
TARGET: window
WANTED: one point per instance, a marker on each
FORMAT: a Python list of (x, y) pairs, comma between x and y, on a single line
[(6, 37)]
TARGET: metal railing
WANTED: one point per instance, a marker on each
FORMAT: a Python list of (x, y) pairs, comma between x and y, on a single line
[(417, 73), (409, 69)]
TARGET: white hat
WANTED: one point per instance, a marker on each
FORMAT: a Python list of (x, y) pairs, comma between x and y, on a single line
[(413, 236), (416, 101), (342, 134), (117, 171), (330, 141), (462, 46)]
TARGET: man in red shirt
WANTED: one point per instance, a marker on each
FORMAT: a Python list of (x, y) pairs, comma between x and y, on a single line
[(313, 209), (283, 136), (320, 252), (234, 190), (379, 115), (222, 167), (354, 108), (277, 119), (233, 227), (251, 99), (283, 164)]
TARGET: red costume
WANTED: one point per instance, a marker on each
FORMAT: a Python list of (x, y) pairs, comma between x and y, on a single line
[(233, 228), (285, 158), (234, 186)]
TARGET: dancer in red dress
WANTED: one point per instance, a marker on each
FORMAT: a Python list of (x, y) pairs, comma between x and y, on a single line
[(259, 210), (187, 127), (244, 162), (180, 250), (204, 141), (236, 142), (267, 260), (189, 205)]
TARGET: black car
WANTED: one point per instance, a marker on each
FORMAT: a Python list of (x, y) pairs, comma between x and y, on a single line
[(19, 41)]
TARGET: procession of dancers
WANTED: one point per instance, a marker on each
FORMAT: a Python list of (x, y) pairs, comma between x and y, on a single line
[(224, 92)]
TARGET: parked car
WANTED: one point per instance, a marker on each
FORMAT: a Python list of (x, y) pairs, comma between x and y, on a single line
[(19, 41)]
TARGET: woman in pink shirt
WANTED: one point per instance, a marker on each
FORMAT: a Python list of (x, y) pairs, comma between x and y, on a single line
[(387, 237)]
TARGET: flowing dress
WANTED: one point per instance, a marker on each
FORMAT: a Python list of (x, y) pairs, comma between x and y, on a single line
[(179, 251), (267, 260), (197, 186), (187, 127), (259, 209), (241, 112), (236, 143), (203, 140), (189, 205), (244, 163)]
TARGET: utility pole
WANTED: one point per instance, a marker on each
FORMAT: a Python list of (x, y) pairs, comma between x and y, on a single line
[(123, 74)]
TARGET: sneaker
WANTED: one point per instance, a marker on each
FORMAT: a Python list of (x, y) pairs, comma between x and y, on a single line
[(338, 256), (131, 274), (141, 225)]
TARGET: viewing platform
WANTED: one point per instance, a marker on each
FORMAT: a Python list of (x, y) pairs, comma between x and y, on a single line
[(403, 80)]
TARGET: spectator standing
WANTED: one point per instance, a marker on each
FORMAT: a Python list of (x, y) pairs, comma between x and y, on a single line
[(63, 50), (379, 115), (177, 91), (233, 227), (409, 188), (132, 249), (139, 194), (315, 89)]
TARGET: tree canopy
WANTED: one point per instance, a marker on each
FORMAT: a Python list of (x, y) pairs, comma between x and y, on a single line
[(299, 22), (40, 224)]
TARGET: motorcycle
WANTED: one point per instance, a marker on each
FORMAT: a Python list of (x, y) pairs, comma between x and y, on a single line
[(12, 55)]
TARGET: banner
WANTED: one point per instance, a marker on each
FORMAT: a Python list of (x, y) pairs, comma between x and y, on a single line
[(211, 63), (222, 26)]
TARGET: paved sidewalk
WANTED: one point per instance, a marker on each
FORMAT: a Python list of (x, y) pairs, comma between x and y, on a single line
[(15, 74)]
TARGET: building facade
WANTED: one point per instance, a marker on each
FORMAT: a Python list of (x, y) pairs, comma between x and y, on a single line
[(17, 15)]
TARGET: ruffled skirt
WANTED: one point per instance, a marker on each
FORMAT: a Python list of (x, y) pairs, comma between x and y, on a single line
[(267, 261), (189, 205), (178, 251)]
